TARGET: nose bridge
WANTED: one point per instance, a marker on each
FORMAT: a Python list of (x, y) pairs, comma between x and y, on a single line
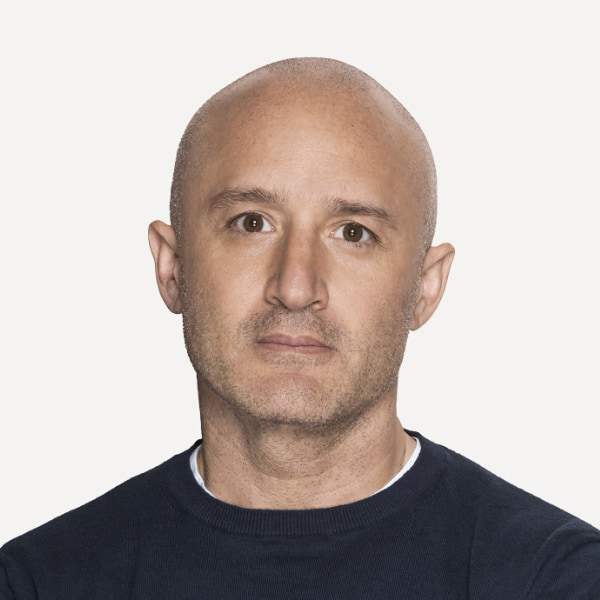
[(297, 281)]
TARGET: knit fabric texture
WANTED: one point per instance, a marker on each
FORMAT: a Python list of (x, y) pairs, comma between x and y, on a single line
[(448, 529)]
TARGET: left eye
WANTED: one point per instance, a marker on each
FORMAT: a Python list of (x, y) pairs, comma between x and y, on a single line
[(252, 223), (353, 232)]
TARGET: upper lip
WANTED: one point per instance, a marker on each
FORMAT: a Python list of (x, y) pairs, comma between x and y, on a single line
[(291, 340)]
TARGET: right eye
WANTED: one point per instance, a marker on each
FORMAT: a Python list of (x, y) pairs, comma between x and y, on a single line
[(252, 223)]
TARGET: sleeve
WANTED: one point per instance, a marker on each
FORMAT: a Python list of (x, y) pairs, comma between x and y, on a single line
[(6, 592), (14, 583), (568, 565)]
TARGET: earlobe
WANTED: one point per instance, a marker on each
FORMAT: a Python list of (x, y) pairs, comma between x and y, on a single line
[(163, 246), (434, 275)]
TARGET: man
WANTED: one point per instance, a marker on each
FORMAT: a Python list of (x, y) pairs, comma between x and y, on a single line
[(303, 208)]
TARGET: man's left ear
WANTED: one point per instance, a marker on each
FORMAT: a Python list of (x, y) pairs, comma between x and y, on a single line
[(434, 276)]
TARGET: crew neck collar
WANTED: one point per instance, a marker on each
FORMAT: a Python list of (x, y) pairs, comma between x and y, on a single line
[(407, 492), (405, 468)]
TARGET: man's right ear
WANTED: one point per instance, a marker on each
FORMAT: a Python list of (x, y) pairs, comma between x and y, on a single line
[(163, 245)]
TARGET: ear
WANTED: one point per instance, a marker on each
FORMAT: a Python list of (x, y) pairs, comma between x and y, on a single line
[(434, 275), (164, 250)]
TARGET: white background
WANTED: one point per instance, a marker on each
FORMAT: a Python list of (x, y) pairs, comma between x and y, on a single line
[(95, 384)]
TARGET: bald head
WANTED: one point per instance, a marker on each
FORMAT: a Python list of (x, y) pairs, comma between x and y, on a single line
[(326, 90)]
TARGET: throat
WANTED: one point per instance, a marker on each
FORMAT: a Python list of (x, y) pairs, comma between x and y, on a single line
[(291, 472)]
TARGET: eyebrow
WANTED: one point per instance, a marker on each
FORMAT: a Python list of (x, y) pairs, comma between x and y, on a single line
[(231, 196), (348, 207), (338, 206)]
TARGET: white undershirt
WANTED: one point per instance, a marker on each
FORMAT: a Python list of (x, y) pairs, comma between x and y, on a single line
[(407, 466)]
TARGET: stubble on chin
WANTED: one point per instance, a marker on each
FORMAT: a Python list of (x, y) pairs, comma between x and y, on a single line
[(317, 393)]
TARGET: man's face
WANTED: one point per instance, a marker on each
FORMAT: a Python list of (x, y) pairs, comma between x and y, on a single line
[(300, 260)]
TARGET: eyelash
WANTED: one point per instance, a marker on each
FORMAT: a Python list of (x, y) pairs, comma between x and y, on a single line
[(360, 244)]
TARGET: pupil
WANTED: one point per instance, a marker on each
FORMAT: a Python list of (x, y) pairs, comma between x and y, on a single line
[(353, 232), (253, 223)]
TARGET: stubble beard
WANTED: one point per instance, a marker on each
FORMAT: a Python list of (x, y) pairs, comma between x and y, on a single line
[(317, 396)]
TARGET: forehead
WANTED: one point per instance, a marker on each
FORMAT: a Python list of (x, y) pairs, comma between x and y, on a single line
[(304, 138)]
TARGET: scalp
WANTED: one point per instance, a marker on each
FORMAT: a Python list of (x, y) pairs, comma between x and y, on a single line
[(325, 86)]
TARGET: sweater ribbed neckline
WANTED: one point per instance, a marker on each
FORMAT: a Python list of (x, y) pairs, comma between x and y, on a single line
[(415, 485)]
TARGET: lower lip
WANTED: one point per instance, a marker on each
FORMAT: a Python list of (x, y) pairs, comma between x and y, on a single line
[(276, 347)]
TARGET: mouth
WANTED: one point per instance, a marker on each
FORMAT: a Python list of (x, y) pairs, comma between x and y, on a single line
[(303, 344)]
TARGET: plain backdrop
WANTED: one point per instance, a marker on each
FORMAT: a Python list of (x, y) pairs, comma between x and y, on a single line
[(95, 384)]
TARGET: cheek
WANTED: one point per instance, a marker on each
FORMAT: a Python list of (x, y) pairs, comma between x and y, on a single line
[(223, 284), (375, 293), (378, 316)]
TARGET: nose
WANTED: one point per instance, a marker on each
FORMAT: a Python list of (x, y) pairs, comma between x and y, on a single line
[(297, 280)]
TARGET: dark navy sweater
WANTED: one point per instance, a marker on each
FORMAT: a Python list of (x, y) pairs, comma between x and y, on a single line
[(447, 529)]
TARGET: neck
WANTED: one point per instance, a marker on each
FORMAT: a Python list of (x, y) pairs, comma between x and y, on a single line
[(253, 464)]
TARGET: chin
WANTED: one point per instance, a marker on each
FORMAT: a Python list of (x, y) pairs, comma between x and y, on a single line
[(299, 402)]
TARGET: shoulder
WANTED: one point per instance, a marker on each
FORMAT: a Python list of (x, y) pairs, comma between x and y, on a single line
[(493, 499), (101, 531), (514, 534)]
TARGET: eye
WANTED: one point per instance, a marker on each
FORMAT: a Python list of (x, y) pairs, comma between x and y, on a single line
[(353, 232), (252, 223)]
